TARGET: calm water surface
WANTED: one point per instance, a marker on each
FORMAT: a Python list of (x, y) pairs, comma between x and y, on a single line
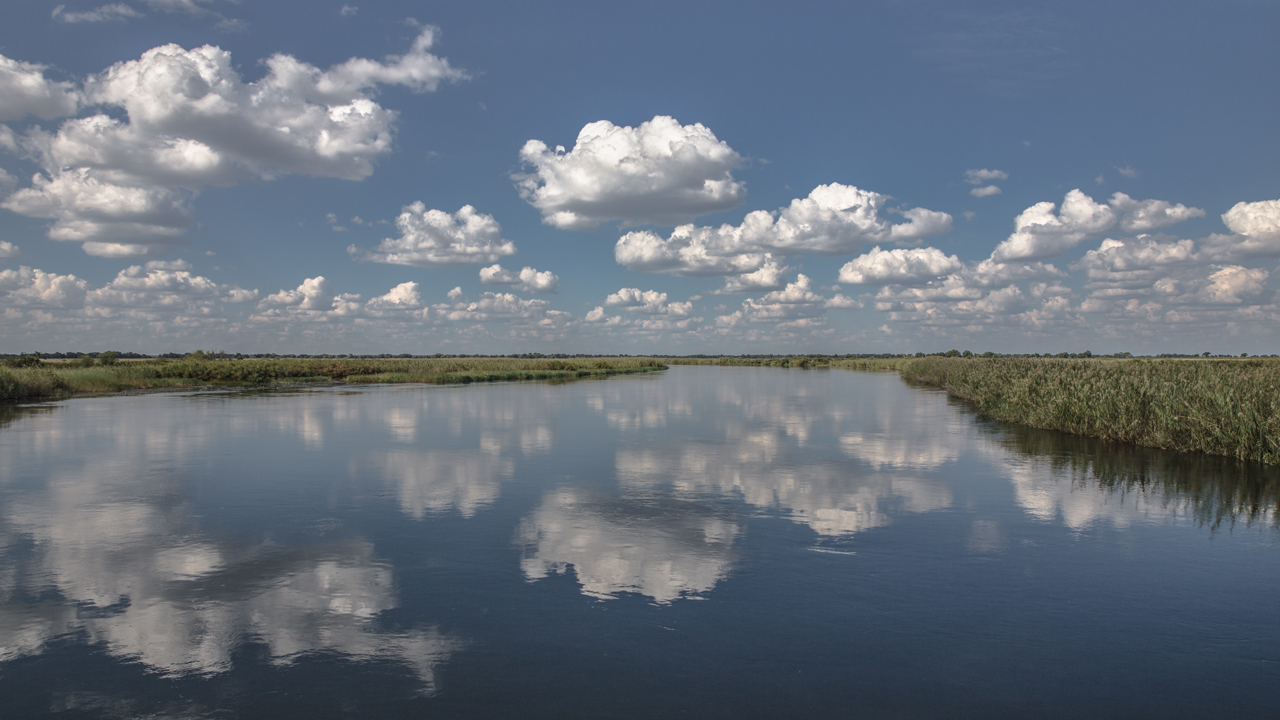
[(707, 542)]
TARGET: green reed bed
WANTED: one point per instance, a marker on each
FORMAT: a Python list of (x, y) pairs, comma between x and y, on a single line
[(49, 379), (1221, 407)]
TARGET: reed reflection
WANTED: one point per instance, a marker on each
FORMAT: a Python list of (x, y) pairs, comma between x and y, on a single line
[(1085, 480)]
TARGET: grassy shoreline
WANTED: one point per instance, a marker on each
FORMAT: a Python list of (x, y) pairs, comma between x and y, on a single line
[(53, 380), (1220, 407)]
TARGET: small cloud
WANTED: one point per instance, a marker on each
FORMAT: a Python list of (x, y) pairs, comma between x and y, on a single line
[(8, 250), (1128, 172), (339, 228), (348, 10), (209, 253), (1100, 179), (886, 329), (695, 298), (104, 13), (1026, 143), (985, 191), (977, 177), (968, 214), (455, 293)]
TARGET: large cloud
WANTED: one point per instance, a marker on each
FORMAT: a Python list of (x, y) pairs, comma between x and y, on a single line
[(32, 287), (899, 266), (660, 172), (1039, 233), (1256, 228), (1137, 262), (434, 238), (168, 286), (834, 219), (192, 121)]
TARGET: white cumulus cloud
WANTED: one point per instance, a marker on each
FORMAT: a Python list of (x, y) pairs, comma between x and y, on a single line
[(978, 177), (985, 191), (834, 219), (165, 285), (648, 302), (8, 250), (32, 287), (191, 121), (1256, 228), (899, 266), (526, 280), (660, 172), (435, 238), (24, 90), (1040, 233)]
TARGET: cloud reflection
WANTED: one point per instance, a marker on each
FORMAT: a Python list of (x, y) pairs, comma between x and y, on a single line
[(664, 550), (107, 546)]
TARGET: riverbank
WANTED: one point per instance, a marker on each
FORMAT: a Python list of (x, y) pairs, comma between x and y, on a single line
[(1220, 407), (55, 380)]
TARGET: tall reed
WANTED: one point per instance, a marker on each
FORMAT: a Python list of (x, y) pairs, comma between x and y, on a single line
[(1222, 407)]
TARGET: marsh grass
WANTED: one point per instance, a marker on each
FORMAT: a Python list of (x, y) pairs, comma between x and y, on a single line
[(1220, 407), (62, 379)]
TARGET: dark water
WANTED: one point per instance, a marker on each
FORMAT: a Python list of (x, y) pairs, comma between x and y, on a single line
[(703, 542)]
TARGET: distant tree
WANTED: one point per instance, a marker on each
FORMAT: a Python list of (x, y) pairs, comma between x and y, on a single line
[(109, 357), (951, 353)]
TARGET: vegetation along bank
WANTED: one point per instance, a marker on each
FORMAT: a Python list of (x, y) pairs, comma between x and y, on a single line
[(1220, 406), (31, 378)]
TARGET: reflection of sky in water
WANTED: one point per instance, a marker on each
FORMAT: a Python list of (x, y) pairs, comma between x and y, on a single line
[(113, 534), (663, 550), (381, 526)]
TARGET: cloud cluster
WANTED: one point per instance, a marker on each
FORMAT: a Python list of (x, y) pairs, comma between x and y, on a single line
[(899, 266), (1256, 232), (795, 306), (435, 238), (658, 172), (1136, 286), (124, 186), (648, 302), (527, 280), (834, 219), (314, 301), (1040, 233), (978, 177)]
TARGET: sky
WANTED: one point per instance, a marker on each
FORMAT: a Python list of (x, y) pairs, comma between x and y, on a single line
[(635, 178)]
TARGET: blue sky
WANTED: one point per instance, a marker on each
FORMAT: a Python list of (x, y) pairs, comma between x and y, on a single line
[(735, 177)]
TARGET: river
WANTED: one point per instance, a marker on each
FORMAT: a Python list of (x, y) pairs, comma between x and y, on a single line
[(710, 542)]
